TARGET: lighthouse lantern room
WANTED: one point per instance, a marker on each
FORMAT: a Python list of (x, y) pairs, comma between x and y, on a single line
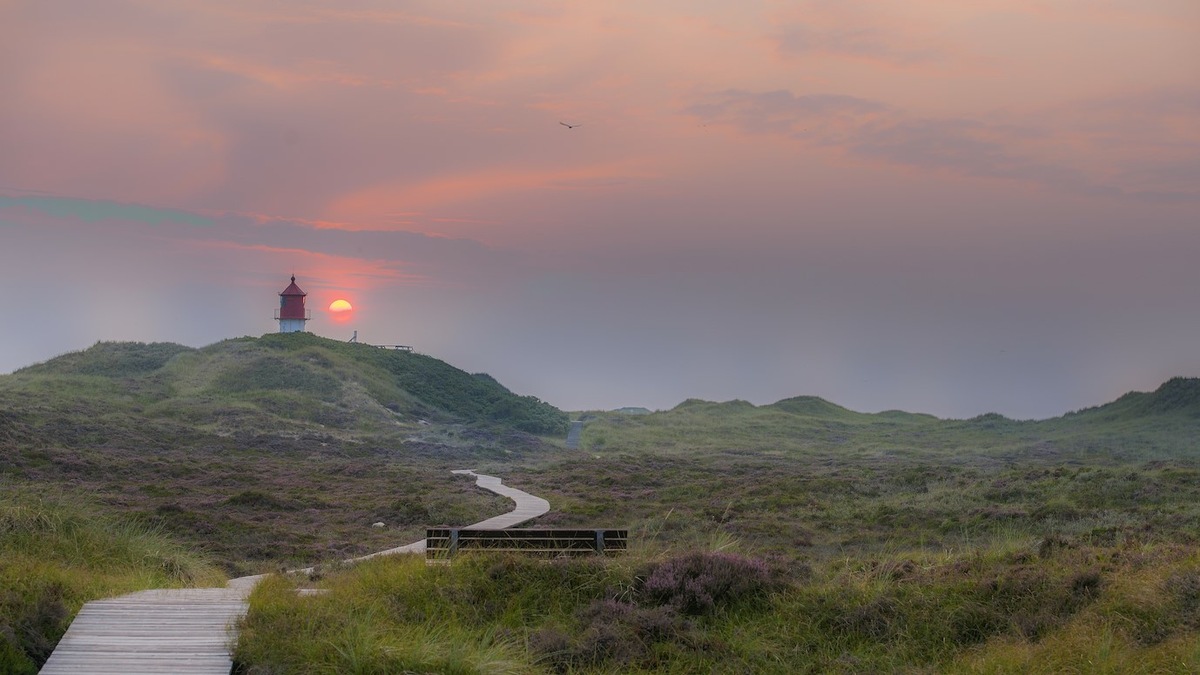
[(291, 313)]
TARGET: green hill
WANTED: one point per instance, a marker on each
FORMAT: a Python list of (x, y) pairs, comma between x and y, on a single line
[(290, 380), (813, 406), (279, 448), (1179, 396)]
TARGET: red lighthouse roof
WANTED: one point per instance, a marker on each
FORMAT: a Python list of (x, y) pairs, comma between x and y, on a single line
[(291, 307), (293, 289)]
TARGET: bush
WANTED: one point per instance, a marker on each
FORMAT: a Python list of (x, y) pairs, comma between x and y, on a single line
[(37, 622), (629, 631), (610, 633), (698, 583), (1183, 588)]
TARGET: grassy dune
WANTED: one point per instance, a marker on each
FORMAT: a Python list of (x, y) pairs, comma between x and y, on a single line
[(806, 476), (57, 553), (793, 537), (893, 542), (280, 450)]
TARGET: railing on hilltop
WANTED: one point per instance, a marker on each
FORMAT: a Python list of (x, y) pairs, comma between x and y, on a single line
[(403, 348)]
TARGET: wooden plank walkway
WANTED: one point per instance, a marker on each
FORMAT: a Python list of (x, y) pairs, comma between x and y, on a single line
[(573, 434), (180, 631), (190, 631), (527, 507)]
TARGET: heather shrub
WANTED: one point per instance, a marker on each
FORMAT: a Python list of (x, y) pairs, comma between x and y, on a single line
[(630, 631), (1183, 588), (876, 619), (31, 626), (610, 633), (698, 583), (552, 647), (1175, 608)]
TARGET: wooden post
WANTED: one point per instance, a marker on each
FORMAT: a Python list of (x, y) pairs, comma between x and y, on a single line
[(599, 541)]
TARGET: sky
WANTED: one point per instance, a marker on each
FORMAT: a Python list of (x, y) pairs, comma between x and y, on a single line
[(929, 205)]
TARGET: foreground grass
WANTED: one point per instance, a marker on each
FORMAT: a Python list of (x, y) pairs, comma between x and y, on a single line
[(56, 554), (1010, 606)]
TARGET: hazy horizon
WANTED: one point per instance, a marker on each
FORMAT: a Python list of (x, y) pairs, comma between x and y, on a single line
[(617, 408), (923, 206)]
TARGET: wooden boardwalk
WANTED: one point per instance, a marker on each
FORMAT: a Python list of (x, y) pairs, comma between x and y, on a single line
[(162, 631), (573, 434), (191, 630), (528, 507)]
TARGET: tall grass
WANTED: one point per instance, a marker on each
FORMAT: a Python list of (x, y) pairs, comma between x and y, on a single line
[(1009, 605), (57, 553), (395, 615)]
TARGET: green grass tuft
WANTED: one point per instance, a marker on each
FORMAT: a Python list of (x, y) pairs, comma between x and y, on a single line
[(58, 553)]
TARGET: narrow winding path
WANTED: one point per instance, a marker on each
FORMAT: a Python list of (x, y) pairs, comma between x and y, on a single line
[(189, 630), (573, 435), (528, 507)]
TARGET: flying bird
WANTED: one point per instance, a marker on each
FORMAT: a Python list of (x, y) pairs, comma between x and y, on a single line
[(569, 126)]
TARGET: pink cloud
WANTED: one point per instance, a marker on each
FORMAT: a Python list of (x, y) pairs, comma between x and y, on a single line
[(104, 127), (438, 196), (857, 179), (326, 270), (1031, 149), (884, 35)]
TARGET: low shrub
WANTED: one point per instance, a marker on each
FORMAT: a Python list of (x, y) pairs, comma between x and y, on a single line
[(610, 634), (698, 583), (1183, 588)]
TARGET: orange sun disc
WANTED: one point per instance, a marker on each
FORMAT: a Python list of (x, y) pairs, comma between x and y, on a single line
[(340, 306)]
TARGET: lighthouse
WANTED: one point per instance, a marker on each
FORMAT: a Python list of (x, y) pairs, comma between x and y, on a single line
[(291, 314)]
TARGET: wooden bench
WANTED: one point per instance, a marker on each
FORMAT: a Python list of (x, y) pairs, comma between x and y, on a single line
[(443, 542)]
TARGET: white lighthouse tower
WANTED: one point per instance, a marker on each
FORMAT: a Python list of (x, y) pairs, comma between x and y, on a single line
[(291, 314)]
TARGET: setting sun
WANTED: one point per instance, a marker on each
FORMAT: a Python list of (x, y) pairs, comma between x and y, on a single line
[(341, 310)]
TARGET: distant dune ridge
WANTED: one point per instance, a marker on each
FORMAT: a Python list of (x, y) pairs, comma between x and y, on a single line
[(293, 385), (421, 384), (1177, 395)]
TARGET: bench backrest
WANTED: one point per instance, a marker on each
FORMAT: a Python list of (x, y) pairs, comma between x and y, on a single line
[(443, 542)]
